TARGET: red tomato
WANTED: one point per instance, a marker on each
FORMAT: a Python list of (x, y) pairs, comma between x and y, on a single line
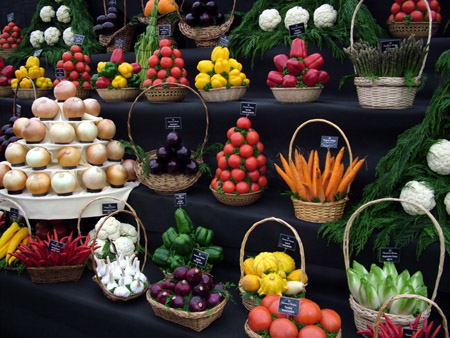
[(262, 170), (166, 51), (67, 56), (19, 41), (330, 321), (156, 52), (283, 328), (7, 29), (151, 72), (218, 171), (5, 35), (420, 5), (254, 175), (222, 162), (176, 52), (162, 73), (68, 66), (433, 15), (311, 331), (5, 46), (87, 85), (395, 8), (153, 61), (228, 149), (246, 150), (184, 72), (164, 43), (15, 34), (391, 18), (171, 79), (219, 154), (242, 187), (147, 82), (14, 46), (261, 160), (416, 16), (269, 299), (78, 57), (87, 59), (399, 16), (252, 137), (225, 175), (308, 313), (262, 181), (408, 6), (234, 161), (244, 123), (438, 17), (399, 1), (213, 182), (175, 72), (215, 185), (11, 24), (237, 139), (59, 64), (238, 174), (434, 5), (166, 62), (86, 76), (230, 131), (228, 187), (75, 49), (16, 29), (273, 308), (251, 163), (76, 83), (184, 81), (157, 81), (87, 68), (74, 75), (179, 62), (80, 67), (10, 40), (2, 41), (56, 82), (255, 187), (259, 318)]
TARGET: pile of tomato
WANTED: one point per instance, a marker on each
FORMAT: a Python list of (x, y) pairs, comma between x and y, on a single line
[(311, 321), (76, 67), (241, 164), (11, 36), (414, 10)]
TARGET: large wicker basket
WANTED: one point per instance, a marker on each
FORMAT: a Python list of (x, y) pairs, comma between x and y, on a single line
[(296, 95), (5, 91), (419, 29), (166, 184), (166, 95), (320, 212), (30, 93), (249, 302), (235, 200), (205, 36), (84, 93), (253, 334), (386, 92), (197, 321), (364, 316), (233, 93), (118, 95)]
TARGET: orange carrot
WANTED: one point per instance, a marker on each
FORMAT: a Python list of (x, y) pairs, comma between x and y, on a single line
[(299, 187), (310, 163), (315, 174), (286, 167), (299, 166), (285, 177), (306, 172), (334, 183), (320, 191), (347, 180), (308, 191)]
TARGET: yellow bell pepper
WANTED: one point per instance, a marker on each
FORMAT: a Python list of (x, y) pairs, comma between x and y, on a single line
[(220, 52), (41, 82), (243, 76), (32, 61), (100, 66), (235, 64), (49, 82), (126, 69), (34, 72), (21, 72), (14, 83), (246, 81), (119, 82), (205, 66), (201, 80), (235, 80), (221, 66), (42, 70), (25, 83), (234, 72), (218, 81)]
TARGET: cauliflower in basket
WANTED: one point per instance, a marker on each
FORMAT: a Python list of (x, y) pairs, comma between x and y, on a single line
[(269, 19), (110, 230), (296, 15), (325, 16), (99, 251), (447, 202), (37, 38), (127, 230), (51, 36), (63, 14), (438, 157), (68, 36), (419, 193), (124, 246), (47, 13)]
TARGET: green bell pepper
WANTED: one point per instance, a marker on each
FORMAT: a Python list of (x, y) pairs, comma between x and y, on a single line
[(176, 261), (161, 256), (109, 70), (184, 222), (94, 79), (134, 81), (169, 236), (203, 236), (215, 253), (183, 244)]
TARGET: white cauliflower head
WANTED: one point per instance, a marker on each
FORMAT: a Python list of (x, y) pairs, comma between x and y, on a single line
[(438, 157), (419, 193), (124, 246), (325, 16), (68, 36), (47, 13), (269, 19), (51, 36), (296, 15), (110, 229), (63, 14), (129, 231), (37, 38), (99, 251), (447, 202)]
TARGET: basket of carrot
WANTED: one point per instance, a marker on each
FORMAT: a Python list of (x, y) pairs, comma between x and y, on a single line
[(318, 195)]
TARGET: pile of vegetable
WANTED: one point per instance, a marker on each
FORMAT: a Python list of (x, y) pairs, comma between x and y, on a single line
[(76, 67), (36, 73), (166, 65), (311, 321), (220, 72), (11, 36), (188, 289), (308, 183), (414, 11), (241, 164), (372, 289), (204, 13), (10, 240), (6, 73), (109, 23), (163, 7), (44, 227), (116, 73), (299, 69), (179, 243)]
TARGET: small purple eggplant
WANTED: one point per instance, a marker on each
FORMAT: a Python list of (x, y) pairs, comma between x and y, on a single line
[(177, 302), (155, 289), (197, 304), (213, 299), (180, 272), (163, 295), (169, 284), (201, 290), (182, 288), (193, 276)]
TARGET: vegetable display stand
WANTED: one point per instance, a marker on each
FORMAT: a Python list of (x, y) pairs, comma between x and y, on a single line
[(125, 33), (364, 316), (5, 91), (233, 93), (205, 37), (234, 200), (165, 183), (317, 212), (97, 280), (419, 29), (253, 334), (197, 321), (166, 95), (30, 93), (386, 92), (249, 302), (118, 95), (296, 95)]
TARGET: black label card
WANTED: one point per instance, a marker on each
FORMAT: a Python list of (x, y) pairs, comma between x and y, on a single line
[(55, 246), (180, 199), (78, 39), (248, 108), (224, 40), (10, 17), (199, 258), (408, 333), (60, 73), (173, 123), (18, 109), (108, 208), (390, 255), (389, 44), (13, 214), (37, 52), (164, 30), (289, 306), (329, 142), (297, 29), (287, 242), (119, 42)]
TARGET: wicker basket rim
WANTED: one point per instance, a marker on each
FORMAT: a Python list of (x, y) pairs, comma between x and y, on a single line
[(56, 267), (341, 201), (119, 89), (231, 195), (413, 23), (295, 89), (223, 89), (230, 20)]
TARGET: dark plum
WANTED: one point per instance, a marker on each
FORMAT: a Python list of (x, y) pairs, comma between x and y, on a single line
[(6, 126), (205, 20), (164, 153), (163, 295), (98, 29), (191, 167), (13, 139), (193, 276), (9, 132), (156, 166), (184, 153), (174, 139), (180, 272), (219, 286), (155, 289), (182, 288), (197, 304), (200, 290), (177, 302), (108, 27), (213, 299)]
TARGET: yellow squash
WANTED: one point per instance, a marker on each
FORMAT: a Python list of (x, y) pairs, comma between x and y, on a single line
[(272, 284)]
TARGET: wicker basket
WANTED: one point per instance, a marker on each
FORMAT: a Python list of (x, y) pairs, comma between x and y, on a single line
[(320, 212), (408, 296), (364, 316), (197, 321), (118, 95), (5, 91), (6, 53), (56, 274), (296, 95), (166, 95), (84, 93), (253, 334), (205, 37), (166, 184), (419, 29), (29, 93), (223, 94), (235, 200), (386, 92), (97, 279), (126, 33), (248, 302)]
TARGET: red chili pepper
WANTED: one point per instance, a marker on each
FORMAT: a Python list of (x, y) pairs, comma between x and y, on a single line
[(298, 49), (324, 78), (416, 322), (295, 67), (314, 61), (311, 77), (436, 331), (20, 256), (275, 77), (280, 61), (117, 56), (102, 82), (289, 81)]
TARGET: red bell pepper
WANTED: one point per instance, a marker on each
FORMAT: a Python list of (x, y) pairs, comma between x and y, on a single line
[(8, 72), (280, 61), (298, 49), (136, 67), (324, 78), (2, 64), (102, 82), (289, 81), (295, 67), (117, 56), (314, 61), (311, 77), (3, 82), (275, 77)]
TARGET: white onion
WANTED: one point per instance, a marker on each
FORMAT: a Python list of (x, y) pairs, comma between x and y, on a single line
[(4, 168), (69, 157), (74, 108), (14, 181), (94, 179), (38, 157), (92, 107), (129, 166), (116, 175), (86, 131), (33, 131), (106, 129), (96, 154), (44, 108), (15, 154), (115, 150), (63, 183), (18, 124), (38, 184), (61, 133), (64, 90)]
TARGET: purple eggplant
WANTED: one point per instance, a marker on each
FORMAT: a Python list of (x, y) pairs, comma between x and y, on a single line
[(180, 272), (169, 284), (197, 304), (207, 279), (101, 19), (191, 167), (197, 8), (174, 139), (205, 20), (200, 290), (211, 8), (9, 132), (156, 166), (13, 139), (220, 19), (177, 302), (193, 276), (163, 295), (155, 289), (213, 299), (108, 27), (173, 166), (164, 153), (219, 286), (191, 20), (184, 153), (13, 119), (182, 288)]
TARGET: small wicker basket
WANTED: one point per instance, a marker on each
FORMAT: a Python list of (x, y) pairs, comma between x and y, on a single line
[(419, 29), (30, 93), (6, 91), (248, 302), (235, 200), (118, 95), (320, 212), (364, 316), (205, 37), (233, 93), (296, 95), (166, 184), (253, 334), (166, 95), (197, 321), (84, 93), (6, 53)]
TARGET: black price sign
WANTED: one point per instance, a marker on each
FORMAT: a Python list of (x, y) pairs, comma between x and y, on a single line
[(10, 17), (297, 29), (173, 123), (248, 108), (390, 255), (408, 333), (60, 73), (13, 214), (199, 258), (18, 109), (108, 208), (37, 52), (289, 306), (119, 42), (287, 242), (224, 40), (180, 199), (55, 246), (164, 30), (78, 39), (329, 142), (389, 44)]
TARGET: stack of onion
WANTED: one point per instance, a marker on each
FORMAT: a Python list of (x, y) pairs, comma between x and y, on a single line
[(106, 129), (14, 181), (92, 107), (86, 131), (96, 154), (115, 150), (116, 175), (38, 184), (64, 90)]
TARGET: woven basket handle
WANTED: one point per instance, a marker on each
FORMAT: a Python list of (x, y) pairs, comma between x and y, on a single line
[(408, 296), (345, 243), (430, 24), (17, 205), (17, 89), (182, 3), (160, 85), (124, 11), (297, 237)]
